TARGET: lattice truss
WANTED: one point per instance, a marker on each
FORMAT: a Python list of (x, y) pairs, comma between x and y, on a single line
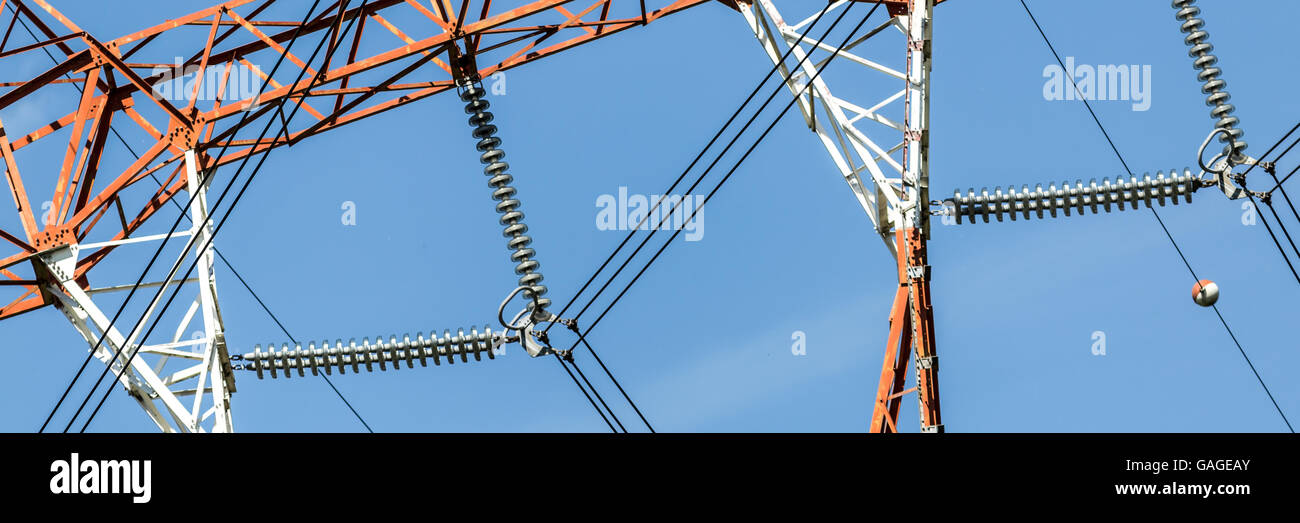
[(868, 127), (189, 96), (185, 95)]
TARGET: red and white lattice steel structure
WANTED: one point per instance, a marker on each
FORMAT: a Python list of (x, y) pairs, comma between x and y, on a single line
[(95, 212)]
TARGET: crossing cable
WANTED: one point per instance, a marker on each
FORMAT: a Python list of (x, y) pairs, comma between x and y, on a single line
[(229, 210), (1158, 219), (279, 108), (157, 252), (220, 256), (588, 396), (1285, 257), (1287, 177), (250, 290), (564, 363), (240, 277), (682, 176), (1271, 169), (205, 177), (1279, 157), (826, 63), (713, 164), (698, 157), (295, 341), (594, 392), (574, 327), (1268, 201), (128, 147)]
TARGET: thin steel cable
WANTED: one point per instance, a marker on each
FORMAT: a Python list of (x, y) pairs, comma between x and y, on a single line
[(702, 175), (698, 157), (221, 256), (698, 180), (611, 377), (1288, 176), (1272, 172), (135, 287), (1285, 257), (262, 160), (1161, 221), (584, 393), (1255, 205), (724, 179), (682, 176), (1275, 146), (294, 340), (597, 394)]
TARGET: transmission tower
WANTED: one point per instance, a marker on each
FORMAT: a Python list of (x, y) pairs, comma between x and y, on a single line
[(184, 383), (884, 159), (183, 378)]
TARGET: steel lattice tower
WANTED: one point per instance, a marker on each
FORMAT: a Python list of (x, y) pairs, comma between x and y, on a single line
[(880, 148)]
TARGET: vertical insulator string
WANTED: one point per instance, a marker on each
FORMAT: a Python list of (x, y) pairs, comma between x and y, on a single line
[(507, 205), (1214, 87)]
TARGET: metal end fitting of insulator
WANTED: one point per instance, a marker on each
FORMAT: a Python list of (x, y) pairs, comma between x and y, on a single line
[(338, 355), (1078, 197)]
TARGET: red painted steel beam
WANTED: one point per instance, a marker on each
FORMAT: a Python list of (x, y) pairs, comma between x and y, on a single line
[(911, 339), (229, 35)]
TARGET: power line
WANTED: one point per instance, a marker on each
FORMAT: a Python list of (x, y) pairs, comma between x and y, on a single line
[(221, 256), (670, 189), (826, 63), (1279, 158), (278, 108), (1275, 146), (1288, 176), (612, 415), (176, 266), (583, 389), (611, 377), (1268, 201), (1158, 219), (249, 288), (697, 159), (1285, 257), (330, 383), (1286, 198), (702, 175), (584, 393), (135, 287), (1272, 172)]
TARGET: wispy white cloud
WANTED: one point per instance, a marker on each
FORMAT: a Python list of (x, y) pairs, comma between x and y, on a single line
[(756, 371)]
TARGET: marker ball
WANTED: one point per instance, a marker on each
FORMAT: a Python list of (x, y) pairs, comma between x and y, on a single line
[(1205, 293)]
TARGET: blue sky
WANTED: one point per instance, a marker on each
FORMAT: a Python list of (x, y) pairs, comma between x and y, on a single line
[(703, 341)]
